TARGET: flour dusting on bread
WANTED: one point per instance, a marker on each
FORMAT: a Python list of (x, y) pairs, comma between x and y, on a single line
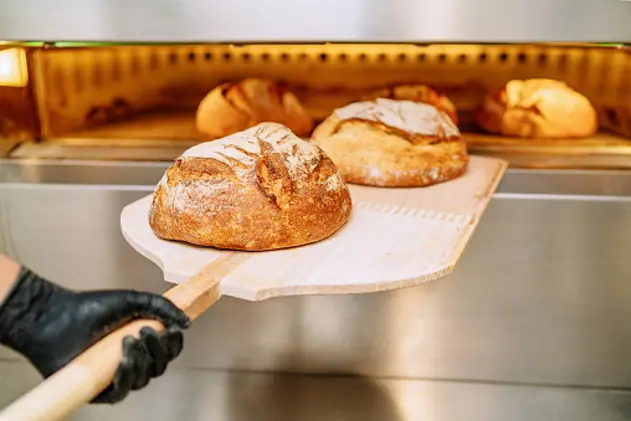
[(260, 189), (334, 182), (412, 117), (300, 157), (393, 143)]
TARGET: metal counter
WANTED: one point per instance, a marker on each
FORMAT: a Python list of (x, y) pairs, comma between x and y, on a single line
[(534, 324)]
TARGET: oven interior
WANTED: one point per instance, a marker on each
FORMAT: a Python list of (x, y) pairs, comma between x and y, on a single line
[(138, 102)]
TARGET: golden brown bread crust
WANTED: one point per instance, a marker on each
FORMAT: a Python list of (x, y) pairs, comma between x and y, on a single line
[(261, 189), (537, 108), (233, 107), (418, 93), (393, 143)]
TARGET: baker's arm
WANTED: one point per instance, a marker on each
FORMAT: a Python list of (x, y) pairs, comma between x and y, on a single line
[(51, 325), (9, 271)]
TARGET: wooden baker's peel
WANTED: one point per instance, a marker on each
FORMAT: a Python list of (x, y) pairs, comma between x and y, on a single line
[(395, 238)]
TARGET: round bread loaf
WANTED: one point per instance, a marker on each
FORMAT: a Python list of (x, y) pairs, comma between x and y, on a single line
[(417, 93), (261, 189), (233, 107), (393, 143), (537, 108)]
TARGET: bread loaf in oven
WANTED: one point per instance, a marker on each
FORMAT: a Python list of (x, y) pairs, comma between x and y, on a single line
[(233, 107), (537, 108), (417, 93), (392, 143), (260, 189)]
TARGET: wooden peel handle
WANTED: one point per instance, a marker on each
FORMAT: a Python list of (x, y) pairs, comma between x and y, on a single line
[(77, 383), (91, 372)]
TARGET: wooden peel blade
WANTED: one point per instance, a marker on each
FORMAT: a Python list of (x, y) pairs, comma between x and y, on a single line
[(90, 373)]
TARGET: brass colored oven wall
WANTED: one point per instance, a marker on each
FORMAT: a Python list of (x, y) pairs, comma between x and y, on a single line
[(18, 116), (85, 87)]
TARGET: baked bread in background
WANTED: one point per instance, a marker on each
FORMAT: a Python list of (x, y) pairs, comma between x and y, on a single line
[(537, 108), (233, 107), (418, 93), (261, 189), (392, 143)]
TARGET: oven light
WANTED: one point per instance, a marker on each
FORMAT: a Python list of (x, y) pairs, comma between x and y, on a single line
[(13, 70)]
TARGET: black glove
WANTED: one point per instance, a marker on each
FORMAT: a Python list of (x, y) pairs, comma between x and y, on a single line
[(51, 326)]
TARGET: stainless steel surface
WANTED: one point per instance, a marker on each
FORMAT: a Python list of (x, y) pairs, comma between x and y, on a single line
[(532, 325), (595, 160), (317, 20), (190, 395), (143, 175), (55, 150)]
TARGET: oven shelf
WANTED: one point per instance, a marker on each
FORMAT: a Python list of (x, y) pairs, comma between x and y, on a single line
[(161, 136)]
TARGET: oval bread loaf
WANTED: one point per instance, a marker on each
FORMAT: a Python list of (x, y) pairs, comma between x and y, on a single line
[(260, 189), (233, 107), (537, 108), (393, 143), (417, 93)]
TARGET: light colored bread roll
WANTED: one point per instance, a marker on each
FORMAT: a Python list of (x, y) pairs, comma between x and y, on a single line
[(537, 108), (261, 189), (417, 93), (231, 108), (393, 143)]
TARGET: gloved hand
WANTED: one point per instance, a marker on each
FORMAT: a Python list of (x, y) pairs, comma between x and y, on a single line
[(51, 325)]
